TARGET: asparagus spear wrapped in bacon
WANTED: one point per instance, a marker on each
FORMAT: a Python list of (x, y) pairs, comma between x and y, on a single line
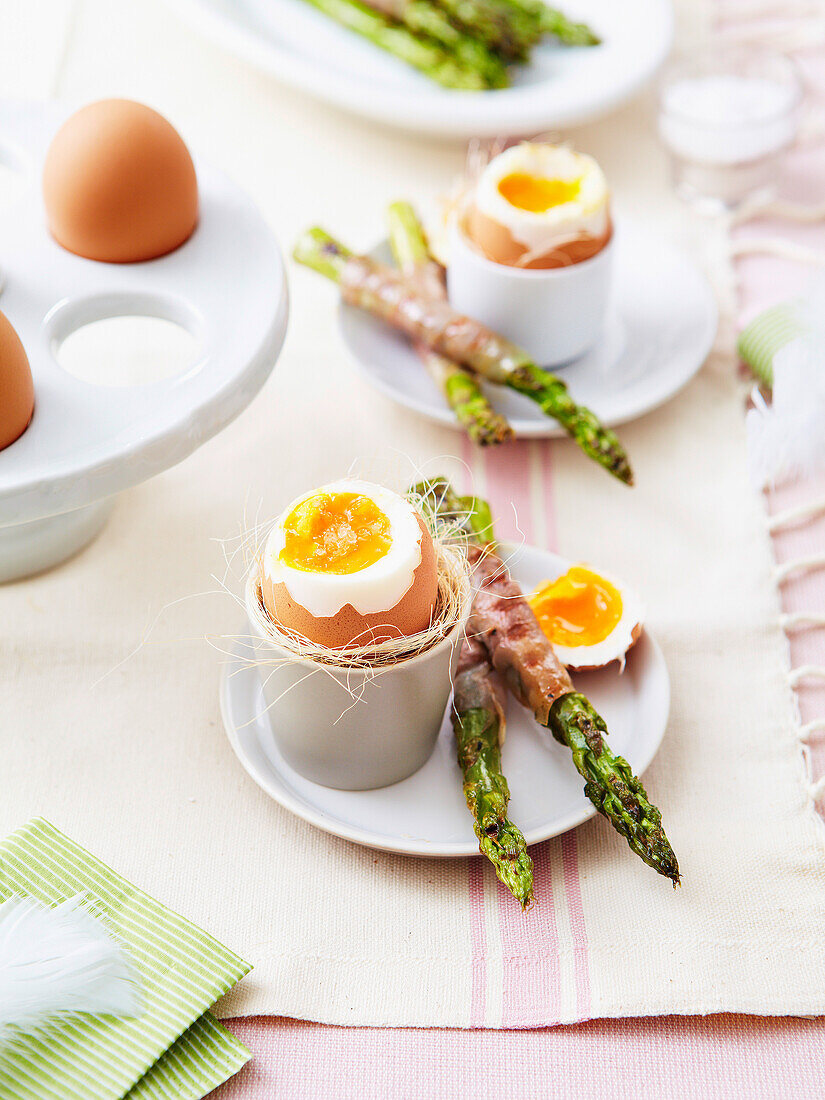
[(478, 723), (388, 294), (461, 389), (520, 652)]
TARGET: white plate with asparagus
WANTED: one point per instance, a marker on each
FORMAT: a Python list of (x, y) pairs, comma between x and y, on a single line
[(556, 735), (456, 68), (411, 345)]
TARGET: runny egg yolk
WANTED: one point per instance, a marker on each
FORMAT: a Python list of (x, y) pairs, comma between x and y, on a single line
[(335, 533), (579, 608), (534, 194)]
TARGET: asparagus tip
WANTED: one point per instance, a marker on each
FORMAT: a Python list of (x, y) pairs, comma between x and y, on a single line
[(315, 248)]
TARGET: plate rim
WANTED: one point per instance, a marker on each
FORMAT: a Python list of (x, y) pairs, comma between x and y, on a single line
[(483, 118), (403, 845)]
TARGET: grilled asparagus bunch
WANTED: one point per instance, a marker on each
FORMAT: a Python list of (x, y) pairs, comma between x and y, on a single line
[(460, 44), (391, 296), (503, 621)]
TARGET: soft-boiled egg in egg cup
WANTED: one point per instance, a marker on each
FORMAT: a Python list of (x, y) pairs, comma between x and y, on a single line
[(350, 564), (590, 618), (539, 206), (530, 250), (352, 569)]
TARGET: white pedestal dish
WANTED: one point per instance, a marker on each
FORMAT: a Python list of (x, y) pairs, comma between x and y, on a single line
[(87, 442)]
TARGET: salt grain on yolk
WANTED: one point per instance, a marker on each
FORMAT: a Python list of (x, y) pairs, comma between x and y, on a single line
[(534, 194), (579, 608), (336, 533)]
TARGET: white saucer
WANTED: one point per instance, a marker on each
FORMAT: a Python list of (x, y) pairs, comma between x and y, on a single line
[(226, 286), (426, 814), (300, 46), (658, 333)]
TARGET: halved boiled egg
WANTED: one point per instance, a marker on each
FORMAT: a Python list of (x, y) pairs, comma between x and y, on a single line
[(538, 206), (590, 619), (351, 563)]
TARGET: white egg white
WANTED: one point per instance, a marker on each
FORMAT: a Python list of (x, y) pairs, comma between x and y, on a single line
[(540, 232), (618, 641), (377, 588)]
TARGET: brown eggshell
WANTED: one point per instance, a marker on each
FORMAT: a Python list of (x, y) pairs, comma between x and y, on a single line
[(497, 243), (119, 184), (410, 615), (635, 634), (16, 387)]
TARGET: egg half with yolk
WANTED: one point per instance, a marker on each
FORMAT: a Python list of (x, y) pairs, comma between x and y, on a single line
[(590, 619), (351, 563), (538, 205)]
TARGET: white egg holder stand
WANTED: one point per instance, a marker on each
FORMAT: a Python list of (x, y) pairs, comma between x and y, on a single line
[(226, 286)]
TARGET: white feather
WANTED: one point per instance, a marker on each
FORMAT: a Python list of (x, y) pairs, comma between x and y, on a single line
[(58, 960), (787, 438)]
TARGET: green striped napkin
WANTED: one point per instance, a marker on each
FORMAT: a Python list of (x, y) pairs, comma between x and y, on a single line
[(760, 340), (174, 1050)]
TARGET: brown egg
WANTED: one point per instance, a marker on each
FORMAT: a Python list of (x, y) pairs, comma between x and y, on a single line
[(16, 388), (412, 614), (119, 184), (497, 243)]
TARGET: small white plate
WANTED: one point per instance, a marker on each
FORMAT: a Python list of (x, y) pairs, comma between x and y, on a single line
[(300, 46), (426, 814), (659, 330)]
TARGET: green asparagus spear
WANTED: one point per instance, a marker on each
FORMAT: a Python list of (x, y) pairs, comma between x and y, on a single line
[(610, 783), (388, 295), (502, 619), (552, 21), (478, 723), (461, 389), (411, 250), (426, 17), (568, 33), (507, 31), (422, 54)]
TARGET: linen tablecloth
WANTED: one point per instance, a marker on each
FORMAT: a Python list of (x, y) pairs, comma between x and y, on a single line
[(147, 56)]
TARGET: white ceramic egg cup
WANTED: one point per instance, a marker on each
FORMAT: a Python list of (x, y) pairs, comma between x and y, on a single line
[(226, 286)]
